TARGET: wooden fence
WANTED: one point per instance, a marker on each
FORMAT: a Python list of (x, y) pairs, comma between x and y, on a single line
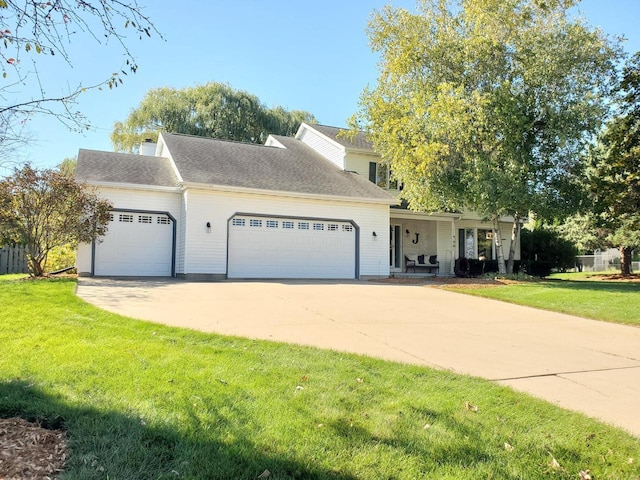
[(13, 260)]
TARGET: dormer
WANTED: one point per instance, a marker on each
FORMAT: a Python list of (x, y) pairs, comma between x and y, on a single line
[(354, 154)]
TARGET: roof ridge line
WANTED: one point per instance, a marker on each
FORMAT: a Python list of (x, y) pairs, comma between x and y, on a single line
[(227, 140)]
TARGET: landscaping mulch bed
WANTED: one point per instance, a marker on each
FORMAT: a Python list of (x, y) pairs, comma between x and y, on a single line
[(29, 451), (617, 277)]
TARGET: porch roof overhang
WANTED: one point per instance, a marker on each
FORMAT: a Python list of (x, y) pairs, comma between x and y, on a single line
[(443, 216)]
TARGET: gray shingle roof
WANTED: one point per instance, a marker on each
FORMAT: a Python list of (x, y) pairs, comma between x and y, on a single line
[(94, 165), (296, 168), (359, 142)]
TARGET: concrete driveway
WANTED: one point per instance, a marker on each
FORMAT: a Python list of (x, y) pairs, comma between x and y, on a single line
[(588, 366)]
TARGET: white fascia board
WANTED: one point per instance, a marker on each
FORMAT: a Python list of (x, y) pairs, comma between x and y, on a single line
[(134, 186), (469, 215), (363, 151), (279, 193), (410, 215), (162, 146)]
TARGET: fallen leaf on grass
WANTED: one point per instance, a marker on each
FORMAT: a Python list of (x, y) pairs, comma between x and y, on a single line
[(470, 406), (359, 380), (555, 464), (508, 447), (304, 378), (427, 426), (264, 474), (299, 387), (584, 475)]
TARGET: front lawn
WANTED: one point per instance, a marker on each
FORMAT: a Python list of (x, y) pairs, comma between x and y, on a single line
[(584, 295), (145, 401)]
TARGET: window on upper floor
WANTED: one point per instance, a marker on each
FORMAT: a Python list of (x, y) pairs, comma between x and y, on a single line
[(381, 175)]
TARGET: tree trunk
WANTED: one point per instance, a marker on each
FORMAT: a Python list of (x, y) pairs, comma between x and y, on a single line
[(625, 260), (497, 240), (35, 260), (515, 233)]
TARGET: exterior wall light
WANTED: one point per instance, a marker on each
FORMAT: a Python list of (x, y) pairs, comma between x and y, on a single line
[(208, 227)]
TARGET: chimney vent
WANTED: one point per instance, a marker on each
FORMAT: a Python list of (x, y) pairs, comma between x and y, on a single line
[(148, 147)]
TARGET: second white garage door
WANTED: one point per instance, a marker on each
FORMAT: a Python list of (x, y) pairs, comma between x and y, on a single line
[(136, 244), (273, 247)]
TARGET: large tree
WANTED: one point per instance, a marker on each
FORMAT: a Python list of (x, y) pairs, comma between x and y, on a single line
[(486, 105), (31, 30), (44, 209), (209, 110), (614, 171)]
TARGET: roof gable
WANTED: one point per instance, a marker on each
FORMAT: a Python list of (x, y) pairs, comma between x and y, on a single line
[(346, 140)]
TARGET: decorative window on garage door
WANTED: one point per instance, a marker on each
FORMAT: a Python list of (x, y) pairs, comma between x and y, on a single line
[(125, 218), (162, 220), (145, 219)]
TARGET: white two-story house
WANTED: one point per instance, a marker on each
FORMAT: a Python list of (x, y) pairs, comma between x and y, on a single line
[(314, 206), (445, 235)]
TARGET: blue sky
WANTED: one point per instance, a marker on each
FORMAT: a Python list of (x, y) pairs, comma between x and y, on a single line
[(310, 56)]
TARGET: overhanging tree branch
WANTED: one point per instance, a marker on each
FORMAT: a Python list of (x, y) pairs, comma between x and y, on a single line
[(32, 29)]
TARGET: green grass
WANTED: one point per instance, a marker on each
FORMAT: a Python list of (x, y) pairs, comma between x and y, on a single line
[(583, 295), (12, 276), (145, 401), (579, 276)]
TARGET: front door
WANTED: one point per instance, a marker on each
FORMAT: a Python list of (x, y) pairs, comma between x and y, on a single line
[(395, 248)]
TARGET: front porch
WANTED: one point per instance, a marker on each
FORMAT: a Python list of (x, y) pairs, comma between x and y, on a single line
[(442, 237), (420, 246)]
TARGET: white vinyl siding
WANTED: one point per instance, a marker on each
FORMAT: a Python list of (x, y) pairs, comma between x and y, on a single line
[(207, 252), (327, 148)]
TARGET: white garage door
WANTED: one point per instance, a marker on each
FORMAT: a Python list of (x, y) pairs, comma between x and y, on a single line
[(263, 247), (136, 244)]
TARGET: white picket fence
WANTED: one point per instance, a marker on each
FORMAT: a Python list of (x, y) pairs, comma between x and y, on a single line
[(13, 260)]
